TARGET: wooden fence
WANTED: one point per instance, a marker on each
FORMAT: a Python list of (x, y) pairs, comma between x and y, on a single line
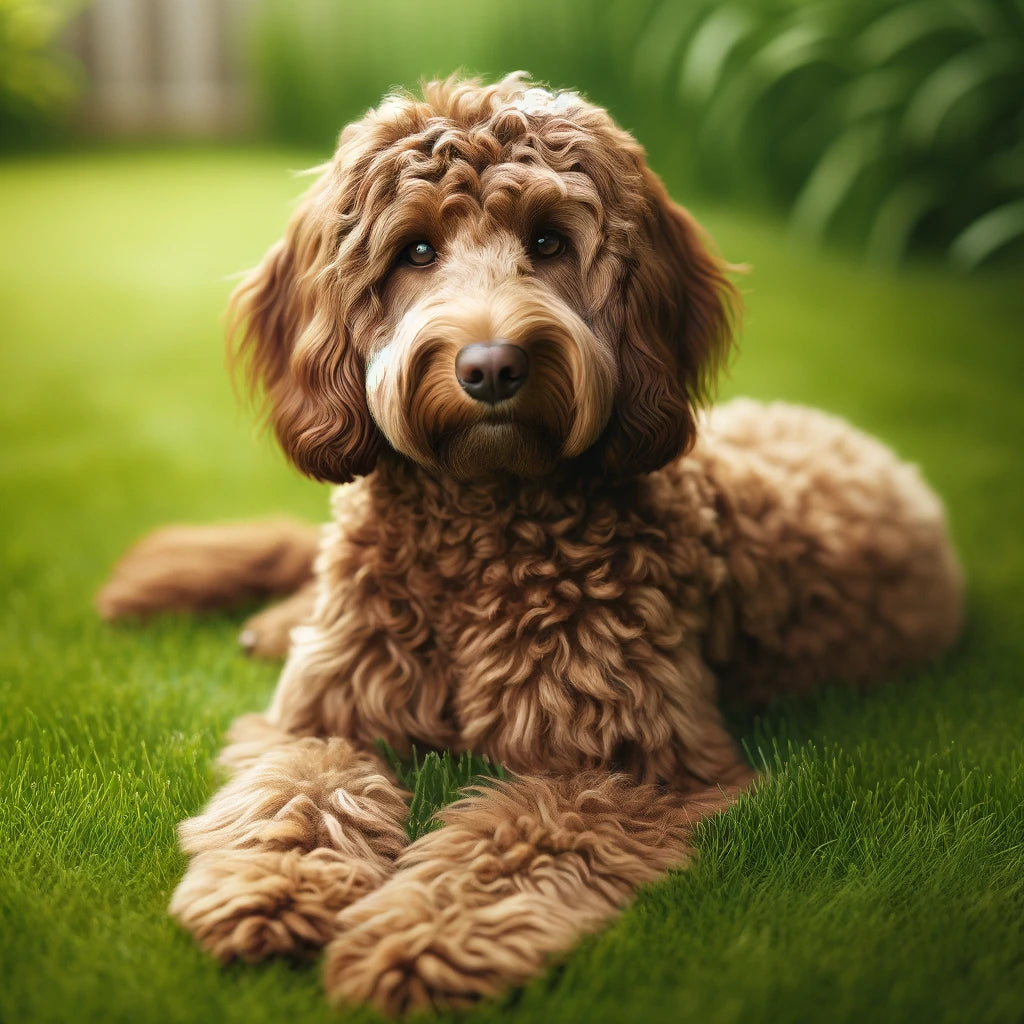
[(162, 67)]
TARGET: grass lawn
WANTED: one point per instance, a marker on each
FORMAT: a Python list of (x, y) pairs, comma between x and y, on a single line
[(879, 874)]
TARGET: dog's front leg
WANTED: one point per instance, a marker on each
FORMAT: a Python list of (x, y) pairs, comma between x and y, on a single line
[(515, 876), (302, 830)]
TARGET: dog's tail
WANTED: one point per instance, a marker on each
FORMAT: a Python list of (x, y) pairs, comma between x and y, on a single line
[(201, 568)]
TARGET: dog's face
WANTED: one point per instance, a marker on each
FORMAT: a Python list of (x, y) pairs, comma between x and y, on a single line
[(490, 281)]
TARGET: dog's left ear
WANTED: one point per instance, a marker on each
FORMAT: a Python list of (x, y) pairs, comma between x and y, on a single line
[(678, 311)]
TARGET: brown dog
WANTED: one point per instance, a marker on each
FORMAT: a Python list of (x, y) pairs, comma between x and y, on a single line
[(488, 314)]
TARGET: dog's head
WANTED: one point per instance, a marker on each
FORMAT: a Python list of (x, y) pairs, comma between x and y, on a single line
[(491, 281)]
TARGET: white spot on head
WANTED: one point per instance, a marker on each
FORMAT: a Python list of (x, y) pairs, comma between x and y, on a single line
[(540, 101)]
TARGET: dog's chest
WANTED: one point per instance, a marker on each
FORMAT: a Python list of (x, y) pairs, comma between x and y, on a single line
[(539, 628)]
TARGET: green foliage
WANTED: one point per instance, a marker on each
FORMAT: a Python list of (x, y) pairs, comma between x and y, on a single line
[(891, 124), (36, 82), (317, 65)]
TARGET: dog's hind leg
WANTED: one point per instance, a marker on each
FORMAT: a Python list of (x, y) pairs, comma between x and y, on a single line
[(841, 565), (200, 568), (518, 872), (300, 832), (268, 633)]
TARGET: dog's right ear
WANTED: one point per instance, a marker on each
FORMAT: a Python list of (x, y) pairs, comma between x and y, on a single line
[(288, 338), (676, 316)]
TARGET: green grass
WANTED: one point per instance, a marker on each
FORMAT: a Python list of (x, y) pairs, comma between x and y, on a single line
[(879, 874)]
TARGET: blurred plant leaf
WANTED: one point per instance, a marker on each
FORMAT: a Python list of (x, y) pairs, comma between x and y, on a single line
[(904, 26), (657, 49), (897, 217), (794, 48), (709, 50), (834, 177), (876, 92), (982, 239), (948, 85)]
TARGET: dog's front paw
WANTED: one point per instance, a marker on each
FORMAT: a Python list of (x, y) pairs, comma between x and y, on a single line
[(252, 904), (475, 907), (410, 946), (518, 872)]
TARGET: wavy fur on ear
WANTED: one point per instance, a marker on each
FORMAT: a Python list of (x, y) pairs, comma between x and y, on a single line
[(677, 313), (288, 335)]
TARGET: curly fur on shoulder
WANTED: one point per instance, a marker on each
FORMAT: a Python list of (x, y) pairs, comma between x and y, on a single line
[(489, 322)]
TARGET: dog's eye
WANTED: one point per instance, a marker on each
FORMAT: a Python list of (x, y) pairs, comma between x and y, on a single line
[(548, 244), (419, 254)]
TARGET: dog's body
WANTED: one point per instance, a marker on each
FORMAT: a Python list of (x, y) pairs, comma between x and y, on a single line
[(539, 572)]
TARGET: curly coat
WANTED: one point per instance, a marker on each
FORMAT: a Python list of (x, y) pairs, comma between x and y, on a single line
[(562, 581)]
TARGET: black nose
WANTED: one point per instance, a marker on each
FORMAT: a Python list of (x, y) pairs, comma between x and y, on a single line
[(491, 371)]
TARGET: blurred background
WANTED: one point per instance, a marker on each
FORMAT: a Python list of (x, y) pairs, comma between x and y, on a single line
[(893, 128)]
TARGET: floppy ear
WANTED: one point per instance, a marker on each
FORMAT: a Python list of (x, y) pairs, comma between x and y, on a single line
[(676, 312), (288, 336)]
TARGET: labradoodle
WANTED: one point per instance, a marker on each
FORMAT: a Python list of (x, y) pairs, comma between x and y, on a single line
[(489, 322)]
